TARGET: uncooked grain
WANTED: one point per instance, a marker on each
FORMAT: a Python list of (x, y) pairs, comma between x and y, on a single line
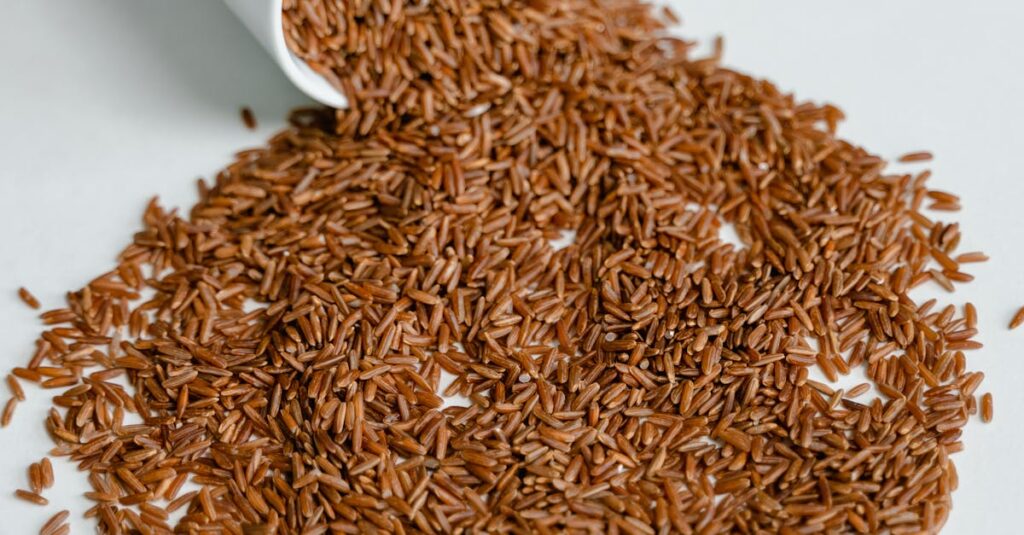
[(27, 298), (31, 497), (8, 412), (15, 388), (919, 156), (1018, 318), (46, 473), (35, 479), (248, 118), (285, 339), (53, 525)]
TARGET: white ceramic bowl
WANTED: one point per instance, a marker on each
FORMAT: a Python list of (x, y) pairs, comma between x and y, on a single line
[(263, 18)]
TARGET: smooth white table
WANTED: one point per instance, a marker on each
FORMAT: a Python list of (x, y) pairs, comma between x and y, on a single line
[(105, 103)]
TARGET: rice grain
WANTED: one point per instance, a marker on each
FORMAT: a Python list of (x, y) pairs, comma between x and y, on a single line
[(646, 377), (1017, 319), (32, 497), (248, 118), (28, 298)]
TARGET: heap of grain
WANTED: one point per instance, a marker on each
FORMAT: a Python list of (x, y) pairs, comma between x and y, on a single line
[(647, 378)]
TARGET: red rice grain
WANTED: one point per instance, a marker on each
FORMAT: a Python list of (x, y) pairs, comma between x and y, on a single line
[(15, 388), (27, 297), (1017, 319), (31, 497), (920, 156), (8, 412), (248, 118), (649, 377), (46, 472), (55, 523)]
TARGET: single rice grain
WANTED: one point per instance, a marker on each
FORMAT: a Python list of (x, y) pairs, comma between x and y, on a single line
[(919, 156), (30, 496), (55, 522), (1017, 319), (28, 298), (248, 118)]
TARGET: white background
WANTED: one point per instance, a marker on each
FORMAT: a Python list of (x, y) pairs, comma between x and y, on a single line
[(105, 103)]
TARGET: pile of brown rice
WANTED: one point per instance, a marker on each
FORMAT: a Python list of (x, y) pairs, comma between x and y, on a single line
[(649, 377)]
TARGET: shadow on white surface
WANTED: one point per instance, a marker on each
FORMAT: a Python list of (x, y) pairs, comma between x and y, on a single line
[(194, 47)]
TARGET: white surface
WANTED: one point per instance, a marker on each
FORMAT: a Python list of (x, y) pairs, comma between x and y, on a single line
[(263, 19), (104, 103)]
